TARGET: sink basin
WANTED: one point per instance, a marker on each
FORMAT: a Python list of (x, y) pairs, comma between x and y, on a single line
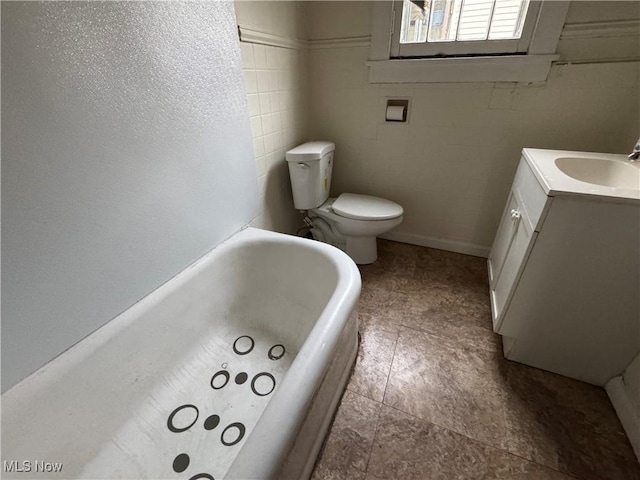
[(597, 175), (601, 171)]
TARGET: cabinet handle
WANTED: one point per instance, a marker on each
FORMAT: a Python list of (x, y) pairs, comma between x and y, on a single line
[(515, 215)]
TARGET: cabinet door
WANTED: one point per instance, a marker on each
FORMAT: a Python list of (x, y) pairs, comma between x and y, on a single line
[(502, 242), (509, 251)]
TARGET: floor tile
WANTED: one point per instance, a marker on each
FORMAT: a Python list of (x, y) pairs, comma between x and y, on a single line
[(565, 424), (558, 422), (395, 270), (348, 446), (441, 315), (456, 271), (475, 304), (446, 383), (394, 259), (384, 304), (375, 355), (328, 474), (408, 448)]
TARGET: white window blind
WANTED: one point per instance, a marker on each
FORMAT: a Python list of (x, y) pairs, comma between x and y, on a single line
[(462, 20)]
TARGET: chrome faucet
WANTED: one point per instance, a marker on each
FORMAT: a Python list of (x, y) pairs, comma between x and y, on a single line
[(635, 154)]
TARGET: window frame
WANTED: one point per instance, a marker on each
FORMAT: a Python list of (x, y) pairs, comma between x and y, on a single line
[(530, 64), (458, 48)]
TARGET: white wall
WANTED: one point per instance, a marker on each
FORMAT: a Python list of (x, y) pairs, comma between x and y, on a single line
[(452, 165), (591, 31), (624, 392), (127, 154), (342, 19), (282, 18), (276, 82)]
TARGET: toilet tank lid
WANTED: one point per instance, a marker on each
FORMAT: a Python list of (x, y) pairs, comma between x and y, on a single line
[(310, 151), (365, 207)]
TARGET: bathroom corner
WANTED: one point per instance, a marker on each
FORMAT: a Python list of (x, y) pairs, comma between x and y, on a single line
[(275, 68)]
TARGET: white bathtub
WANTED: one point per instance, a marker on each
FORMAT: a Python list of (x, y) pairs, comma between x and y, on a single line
[(148, 389)]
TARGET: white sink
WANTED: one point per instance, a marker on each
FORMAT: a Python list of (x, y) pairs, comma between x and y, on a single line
[(606, 176), (600, 171)]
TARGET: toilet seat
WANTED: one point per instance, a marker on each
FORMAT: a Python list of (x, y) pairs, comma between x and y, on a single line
[(356, 236), (366, 207)]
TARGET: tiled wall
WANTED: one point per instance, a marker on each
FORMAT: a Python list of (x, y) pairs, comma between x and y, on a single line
[(275, 79), (452, 164), (277, 94)]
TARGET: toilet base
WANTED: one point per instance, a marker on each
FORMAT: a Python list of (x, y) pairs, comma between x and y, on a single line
[(357, 238), (362, 250)]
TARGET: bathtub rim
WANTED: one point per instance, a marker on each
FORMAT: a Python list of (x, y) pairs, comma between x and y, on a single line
[(262, 454)]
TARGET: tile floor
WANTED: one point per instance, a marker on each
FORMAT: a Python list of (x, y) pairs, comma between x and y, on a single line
[(431, 396)]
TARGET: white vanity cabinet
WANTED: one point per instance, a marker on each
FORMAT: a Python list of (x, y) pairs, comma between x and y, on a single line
[(514, 239), (564, 274)]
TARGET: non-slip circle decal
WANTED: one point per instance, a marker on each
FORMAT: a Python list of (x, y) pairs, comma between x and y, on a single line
[(211, 422), (182, 418), (202, 476), (241, 378), (232, 434), (243, 345), (220, 379), (276, 352), (180, 463), (263, 384)]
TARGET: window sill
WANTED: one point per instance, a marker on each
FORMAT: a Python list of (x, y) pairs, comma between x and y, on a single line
[(515, 68)]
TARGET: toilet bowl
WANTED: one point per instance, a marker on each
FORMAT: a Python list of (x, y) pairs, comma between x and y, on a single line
[(357, 236), (350, 221)]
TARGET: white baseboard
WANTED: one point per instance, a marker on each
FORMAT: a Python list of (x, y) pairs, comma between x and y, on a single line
[(626, 413), (439, 243)]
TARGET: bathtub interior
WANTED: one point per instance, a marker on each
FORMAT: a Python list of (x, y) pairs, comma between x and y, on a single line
[(280, 289), (173, 387), (195, 422)]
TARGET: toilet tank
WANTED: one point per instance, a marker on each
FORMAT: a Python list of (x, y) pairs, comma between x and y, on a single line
[(310, 167)]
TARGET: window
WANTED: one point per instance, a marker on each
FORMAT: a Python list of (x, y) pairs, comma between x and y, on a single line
[(465, 40), (454, 27)]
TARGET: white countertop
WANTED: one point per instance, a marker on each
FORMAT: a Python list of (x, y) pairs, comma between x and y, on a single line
[(555, 182)]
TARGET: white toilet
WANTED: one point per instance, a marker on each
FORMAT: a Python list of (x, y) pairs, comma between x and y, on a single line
[(350, 222)]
